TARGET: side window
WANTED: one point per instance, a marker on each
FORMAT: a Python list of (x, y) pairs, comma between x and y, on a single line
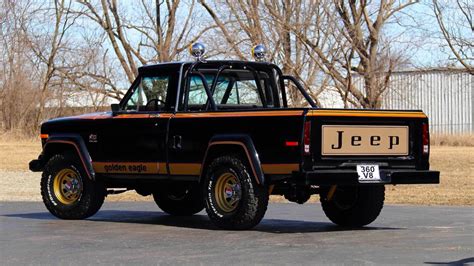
[(197, 92), (221, 93), (149, 94), (248, 92), (239, 88)]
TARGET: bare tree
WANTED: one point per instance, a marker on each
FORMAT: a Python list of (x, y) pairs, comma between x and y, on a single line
[(360, 31), (43, 64), (324, 43), (93, 72), (51, 53), (455, 21), (9, 61), (244, 24), (154, 36), (47, 45), (20, 71), (57, 51)]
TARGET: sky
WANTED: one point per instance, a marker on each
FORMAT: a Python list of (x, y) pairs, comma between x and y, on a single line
[(414, 31), (418, 27)]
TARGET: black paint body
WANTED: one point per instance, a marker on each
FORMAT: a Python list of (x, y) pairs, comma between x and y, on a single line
[(176, 137)]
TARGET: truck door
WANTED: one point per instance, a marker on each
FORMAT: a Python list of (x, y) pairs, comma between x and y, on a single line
[(191, 129), (189, 134), (134, 141)]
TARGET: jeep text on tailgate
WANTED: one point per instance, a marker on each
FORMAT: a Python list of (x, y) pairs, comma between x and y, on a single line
[(219, 135)]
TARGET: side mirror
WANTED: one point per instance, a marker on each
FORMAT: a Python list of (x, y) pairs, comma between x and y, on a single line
[(115, 108)]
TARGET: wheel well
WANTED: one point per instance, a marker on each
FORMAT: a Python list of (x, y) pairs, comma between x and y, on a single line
[(52, 149), (222, 150), (216, 151)]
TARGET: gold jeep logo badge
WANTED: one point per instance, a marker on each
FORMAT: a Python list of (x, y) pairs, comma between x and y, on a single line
[(364, 140)]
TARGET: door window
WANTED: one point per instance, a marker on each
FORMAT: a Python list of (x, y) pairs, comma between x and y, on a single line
[(149, 95)]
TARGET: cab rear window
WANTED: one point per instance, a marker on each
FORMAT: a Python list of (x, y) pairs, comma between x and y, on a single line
[(234, 88)]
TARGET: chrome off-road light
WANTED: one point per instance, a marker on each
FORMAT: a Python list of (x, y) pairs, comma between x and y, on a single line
[(197, 50), (258, 52)]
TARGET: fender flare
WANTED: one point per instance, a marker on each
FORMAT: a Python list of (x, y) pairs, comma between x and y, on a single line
[(78, 145), (246, 143)]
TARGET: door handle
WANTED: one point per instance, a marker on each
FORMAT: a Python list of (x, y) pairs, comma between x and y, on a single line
[(177, 140)]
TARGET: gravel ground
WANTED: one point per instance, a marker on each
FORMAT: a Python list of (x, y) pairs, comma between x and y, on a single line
[(19, 186), (25, 186)]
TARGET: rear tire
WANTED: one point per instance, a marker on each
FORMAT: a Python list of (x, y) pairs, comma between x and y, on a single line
[(180, 200), (67, 191), (233, 199), (353, 206)]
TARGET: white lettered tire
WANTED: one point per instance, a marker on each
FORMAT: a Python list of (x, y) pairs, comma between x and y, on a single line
[(66, 190), (233, 199)]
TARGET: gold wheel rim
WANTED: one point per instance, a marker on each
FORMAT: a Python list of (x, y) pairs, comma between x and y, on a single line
[(227, 192), (67, 186)]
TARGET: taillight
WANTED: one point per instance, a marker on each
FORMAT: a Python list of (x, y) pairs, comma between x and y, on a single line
[(291, 143), (425, 134), (307, 137)]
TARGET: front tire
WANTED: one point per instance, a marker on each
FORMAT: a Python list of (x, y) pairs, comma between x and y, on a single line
[(353, 206), (233, 199), (67, 191), (182, 200)]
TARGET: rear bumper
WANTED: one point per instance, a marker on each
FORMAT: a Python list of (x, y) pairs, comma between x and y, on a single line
[(350, 177)]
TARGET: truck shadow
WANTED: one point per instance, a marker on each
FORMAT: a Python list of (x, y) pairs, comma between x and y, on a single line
[(201, 221), (465, 261)]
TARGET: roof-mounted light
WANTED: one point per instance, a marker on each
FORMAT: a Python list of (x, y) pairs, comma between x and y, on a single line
[(197, 50), (258, 52)]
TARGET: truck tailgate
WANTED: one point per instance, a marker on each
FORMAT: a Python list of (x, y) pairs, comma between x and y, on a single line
[(343, 138)]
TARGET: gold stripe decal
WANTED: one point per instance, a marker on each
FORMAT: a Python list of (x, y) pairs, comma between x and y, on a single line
[(280, 168), (240, 114), (275, 112), (185, 168), (175, 168), (126, 167), (198, 115), (146, 168), (366, 113)]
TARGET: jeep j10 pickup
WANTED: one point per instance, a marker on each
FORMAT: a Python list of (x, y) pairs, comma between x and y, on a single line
[(220, 135)]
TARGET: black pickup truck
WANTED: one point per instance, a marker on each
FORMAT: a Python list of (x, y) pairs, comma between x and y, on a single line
[(220, 135)]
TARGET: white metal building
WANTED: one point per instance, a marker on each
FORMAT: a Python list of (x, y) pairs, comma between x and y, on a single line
[(445, 95)]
